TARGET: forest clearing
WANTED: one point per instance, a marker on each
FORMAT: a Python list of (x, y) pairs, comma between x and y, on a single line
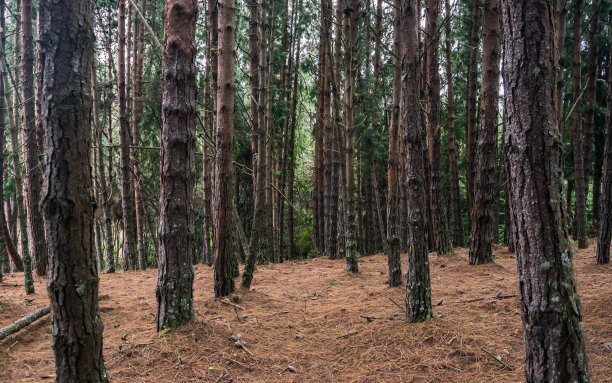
[(310, 315)]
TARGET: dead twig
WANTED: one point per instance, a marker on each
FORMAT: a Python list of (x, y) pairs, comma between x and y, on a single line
[(498, 296), (395, 303), (348, 334), (227, 302), (504, 365), (220, 377), (230, 360), (370, 319)]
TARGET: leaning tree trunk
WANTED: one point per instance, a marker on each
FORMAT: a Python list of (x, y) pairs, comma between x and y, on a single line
[(31, 151), (130, 256), (224, 282), (453, 175), (175, 277), (577, 134), (393, 170), (485, 180), (68, 206), (605, 215), (551, 310), (439, 223), (418, 286)]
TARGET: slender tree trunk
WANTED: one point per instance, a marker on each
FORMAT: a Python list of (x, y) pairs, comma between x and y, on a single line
[(551, 310), (130, 256), (393, 170), (224, 283), (31, 151), (350, 26), (207, 255), (179, 115), (441, 234), (453, 176), (319, 176), (291, 155), (418, 288), (3, 109), (580, 225), (67, 204), (470, 102), (136, 119), (605, 215), (560, 39), (591, 102), (485, 181)]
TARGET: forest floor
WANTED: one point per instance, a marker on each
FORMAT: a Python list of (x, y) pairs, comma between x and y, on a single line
[(311, 315)]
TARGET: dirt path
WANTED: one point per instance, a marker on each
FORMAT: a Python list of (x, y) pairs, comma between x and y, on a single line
[(310, 315)]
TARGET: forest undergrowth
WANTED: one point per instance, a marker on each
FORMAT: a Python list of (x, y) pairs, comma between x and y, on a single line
[(311, 321)]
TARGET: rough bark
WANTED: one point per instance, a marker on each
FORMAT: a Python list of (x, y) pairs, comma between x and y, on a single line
[(470, 102), (224, 283), (31, 151), (418, 287), (439, 222), (485, 181), (577, 133), (176, 232), (67, 42), (393, 171), (551, 310), (605, 215), (130, 256), (350, 26), (23, 321), (560, 39)]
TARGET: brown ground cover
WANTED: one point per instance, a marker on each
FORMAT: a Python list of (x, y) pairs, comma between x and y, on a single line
[(311, 316)]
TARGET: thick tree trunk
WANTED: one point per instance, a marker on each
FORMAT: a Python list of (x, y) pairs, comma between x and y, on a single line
[(485, 181), (470, 102), (577, 133), (605, 215), (418, 288), (350, 26), (393, 170), (31, 151), (456, 218), (175, 277), (224, 283), (551, 310), (439, 222), (68, 205), (130, 256)]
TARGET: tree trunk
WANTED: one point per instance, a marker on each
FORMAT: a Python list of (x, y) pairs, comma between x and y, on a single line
[(393, 170), (31, 151), (175, 278), (470, 102), (560, 39), (605, 215), (418, 288), (350, 26), (130, 256), (441, 235), (591, 102), (68, 205), (224, 283), (577, 133), (3, 238), (207, 255), (551, 312), (453, 175), (106, 214), (485, 181), (136, 119)]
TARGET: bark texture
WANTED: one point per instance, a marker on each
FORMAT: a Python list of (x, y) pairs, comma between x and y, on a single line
[(68, 204), (224, 282), (176, 232), (418, 287), (485, 180), (551, 310)]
